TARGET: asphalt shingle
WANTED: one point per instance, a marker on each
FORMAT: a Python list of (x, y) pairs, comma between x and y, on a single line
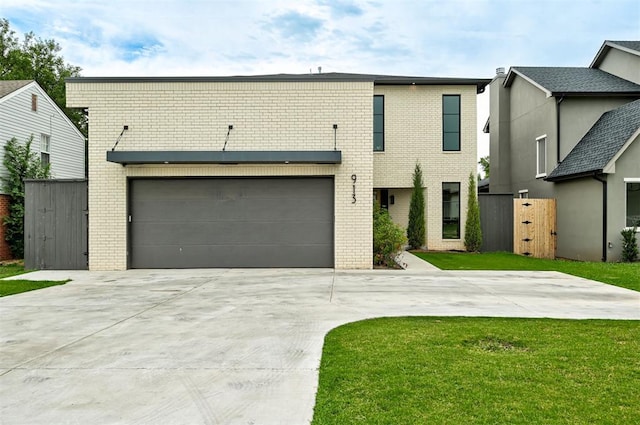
[(577, 80), (9, 86), (601, 143), (629, 44)]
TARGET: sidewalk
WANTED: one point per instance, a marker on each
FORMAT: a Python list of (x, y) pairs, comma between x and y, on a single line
[(411, 262)]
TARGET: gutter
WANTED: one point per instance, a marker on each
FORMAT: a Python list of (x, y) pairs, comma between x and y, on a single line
[(604, 215)]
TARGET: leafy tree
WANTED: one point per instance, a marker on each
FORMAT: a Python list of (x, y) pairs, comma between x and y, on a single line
[(472, 230), (484, 164), (388, 238), (21, 163), (36, 59), (415, 228)]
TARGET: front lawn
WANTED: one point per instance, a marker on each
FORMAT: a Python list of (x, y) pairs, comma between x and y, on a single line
[(11, 287), (626, 275), (12, 269), (429, 370)]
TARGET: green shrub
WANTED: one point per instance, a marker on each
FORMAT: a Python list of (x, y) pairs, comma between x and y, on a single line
[(388, 238), (629, 245), (415, 228), (472, 229), (21, 163)]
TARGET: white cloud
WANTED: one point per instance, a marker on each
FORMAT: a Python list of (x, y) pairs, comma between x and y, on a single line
[(464, 38)]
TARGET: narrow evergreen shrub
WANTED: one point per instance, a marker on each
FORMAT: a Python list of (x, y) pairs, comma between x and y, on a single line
[(415, 227), (472, 229), (629, 245), (388, 238), (21, 163)]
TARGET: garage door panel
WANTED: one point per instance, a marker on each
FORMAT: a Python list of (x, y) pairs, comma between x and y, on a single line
[(254, 209), (201, 256), (232, 233), (254, 222)]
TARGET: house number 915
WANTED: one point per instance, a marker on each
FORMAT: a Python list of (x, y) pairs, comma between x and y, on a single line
[(354, 178)]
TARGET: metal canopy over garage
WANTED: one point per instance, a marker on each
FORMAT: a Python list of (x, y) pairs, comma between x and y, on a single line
[(231, 222)]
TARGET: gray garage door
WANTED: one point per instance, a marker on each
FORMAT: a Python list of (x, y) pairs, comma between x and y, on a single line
[(236, 222)]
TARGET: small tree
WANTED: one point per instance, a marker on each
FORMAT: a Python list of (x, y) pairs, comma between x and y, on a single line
[(388, 238), (472, 230), (21, 163), (415, 228), (629, 245), (485, 165)]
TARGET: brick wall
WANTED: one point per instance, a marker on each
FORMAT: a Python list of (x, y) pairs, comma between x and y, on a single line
[(196, 115), (5, 252), (413, 132)]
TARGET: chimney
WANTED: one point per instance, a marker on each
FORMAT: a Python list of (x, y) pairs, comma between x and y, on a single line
[(500, 71), (319, 70)]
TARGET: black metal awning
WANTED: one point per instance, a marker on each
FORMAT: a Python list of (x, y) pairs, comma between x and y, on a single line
[(224, 157)]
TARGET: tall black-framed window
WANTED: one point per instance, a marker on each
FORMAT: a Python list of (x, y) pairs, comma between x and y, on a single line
[(378, 123), (451, 210), (451, 122), (633, 203)]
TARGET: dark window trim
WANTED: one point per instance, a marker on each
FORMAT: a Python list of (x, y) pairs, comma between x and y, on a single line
[(459, 132), (443, 210), (374, 117)]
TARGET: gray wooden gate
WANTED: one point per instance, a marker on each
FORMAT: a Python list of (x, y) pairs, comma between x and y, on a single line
[(496, 221), (56, 225)]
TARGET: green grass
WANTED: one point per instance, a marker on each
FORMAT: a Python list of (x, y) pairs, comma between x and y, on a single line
[(480, 371), (11, 287), (11, 270), (626, 275)]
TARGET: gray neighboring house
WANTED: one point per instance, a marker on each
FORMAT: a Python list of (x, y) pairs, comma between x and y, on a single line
[(571, 133)]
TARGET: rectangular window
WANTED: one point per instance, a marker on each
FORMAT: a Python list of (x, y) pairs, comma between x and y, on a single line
[(45, 146), (541, 156), (34, 102), (633, 203), (451, 122), (450, 210), (378, 123)]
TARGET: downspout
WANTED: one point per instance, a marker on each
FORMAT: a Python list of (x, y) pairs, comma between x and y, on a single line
[(604, 216), (558, 102)]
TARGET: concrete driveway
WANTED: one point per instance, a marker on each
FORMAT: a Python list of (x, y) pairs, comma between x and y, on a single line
[(231, 346)]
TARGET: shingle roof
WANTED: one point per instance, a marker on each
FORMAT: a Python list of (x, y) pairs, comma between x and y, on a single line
[(601, 143), (629, 44), (480, 83), (574, 81), (9, 86)]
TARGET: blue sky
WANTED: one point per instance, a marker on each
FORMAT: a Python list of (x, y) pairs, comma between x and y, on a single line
[(440, 38)]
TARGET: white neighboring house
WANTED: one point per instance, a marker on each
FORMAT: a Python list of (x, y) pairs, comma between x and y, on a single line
[(25, 111)]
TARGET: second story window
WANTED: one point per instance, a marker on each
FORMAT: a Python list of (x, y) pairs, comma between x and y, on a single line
[(451, 122), (45, 146), (34, 102), (378, 123), (541, 156)]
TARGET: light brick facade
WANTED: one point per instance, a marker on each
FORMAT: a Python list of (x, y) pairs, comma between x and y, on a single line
[(183, 114), (413, 133)]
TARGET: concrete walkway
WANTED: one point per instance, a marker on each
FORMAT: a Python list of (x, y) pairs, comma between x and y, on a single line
[(231, 346)]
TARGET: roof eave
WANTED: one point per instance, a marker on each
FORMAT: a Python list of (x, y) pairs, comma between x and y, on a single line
[(511, 75), (480, 83), (595, 94), (604, 49), (573, 176)]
